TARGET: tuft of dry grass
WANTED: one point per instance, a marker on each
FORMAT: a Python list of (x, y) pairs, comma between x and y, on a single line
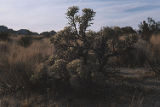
[(155, 39), (137, 100)]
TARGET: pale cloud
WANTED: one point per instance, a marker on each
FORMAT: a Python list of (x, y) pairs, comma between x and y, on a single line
[(41, 15)]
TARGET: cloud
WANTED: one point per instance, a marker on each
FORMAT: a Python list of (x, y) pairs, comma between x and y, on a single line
[(41, 15)]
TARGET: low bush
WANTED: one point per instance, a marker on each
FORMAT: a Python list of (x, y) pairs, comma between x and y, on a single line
[(25, 41), (4, 36)]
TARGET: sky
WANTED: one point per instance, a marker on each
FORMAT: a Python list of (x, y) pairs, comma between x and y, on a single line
[(46, 15)]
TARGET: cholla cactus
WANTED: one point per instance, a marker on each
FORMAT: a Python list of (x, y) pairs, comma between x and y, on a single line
[(51, 60), (78, 69), (59, 69), (59, 65), (74, 66)]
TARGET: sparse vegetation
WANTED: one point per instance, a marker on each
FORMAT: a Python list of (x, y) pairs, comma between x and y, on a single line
[(76, 64), (25, 41), (4, 36), (20, 65)]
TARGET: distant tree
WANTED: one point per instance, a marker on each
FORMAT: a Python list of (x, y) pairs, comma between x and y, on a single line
[(101, 47), (107, 44), (146, 29), (128, 30), (73, 43), (48, 34), (26, 32), (82, 23), (25, 41), (73, 37)]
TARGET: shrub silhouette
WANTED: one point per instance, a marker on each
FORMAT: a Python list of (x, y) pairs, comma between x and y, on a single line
[(148, 28), (4, 36), (25, 41), (81, 55)]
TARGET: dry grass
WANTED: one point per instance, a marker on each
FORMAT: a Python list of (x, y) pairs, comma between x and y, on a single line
[(155, 39), (137, 100), (17, 63)]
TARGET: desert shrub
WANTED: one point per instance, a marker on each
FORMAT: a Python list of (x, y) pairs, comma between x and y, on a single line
[(48, 34), (148, 28), (25, 41), (59, 69), (4, 47), (23, 68), (74, 66), (51, 60), (4, 36), (38, 73), (81, 56), (40, 78), (15, 74), (20, 75), (77, 68), (80, 76)]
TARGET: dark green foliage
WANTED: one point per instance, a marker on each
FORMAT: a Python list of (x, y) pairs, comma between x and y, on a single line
[(72, 45), (4, 36), (25, 41), (48, 34), (6, 29), (19, 32), (128, 30), (108, 44), (146, 29), (25, 32)]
